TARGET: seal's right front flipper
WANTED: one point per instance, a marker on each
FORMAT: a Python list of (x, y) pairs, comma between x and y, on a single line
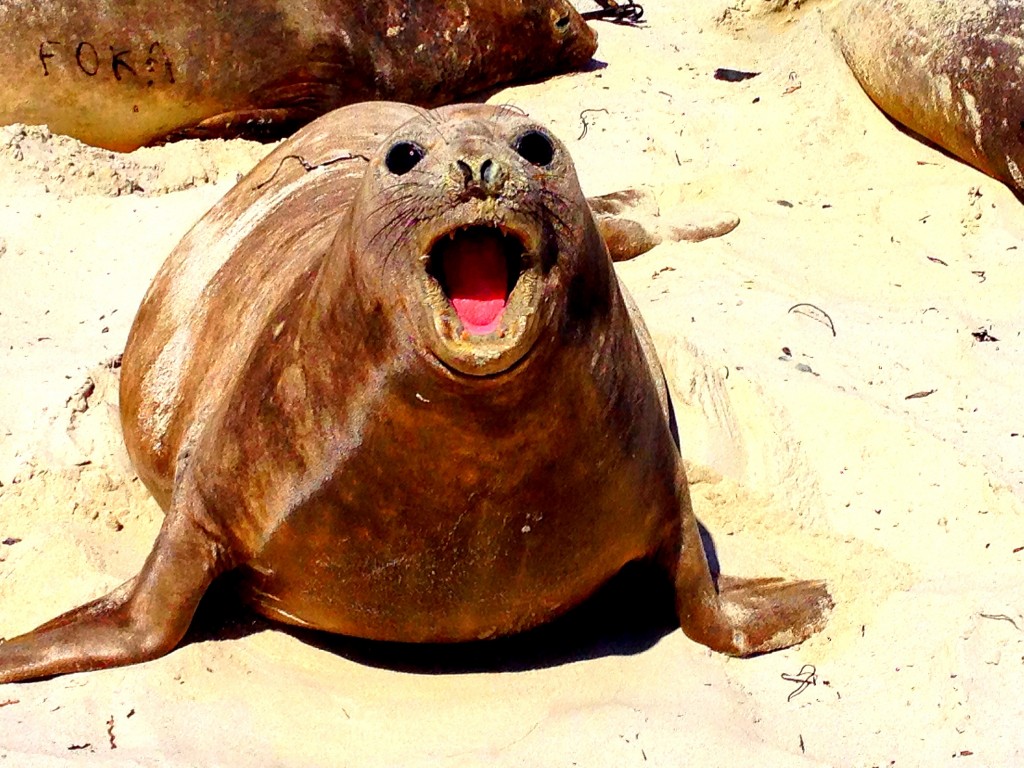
[(631, 223), (142, 619)]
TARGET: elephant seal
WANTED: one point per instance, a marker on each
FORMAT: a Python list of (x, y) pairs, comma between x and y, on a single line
[(121, 75), (402, 394), (951, 72)]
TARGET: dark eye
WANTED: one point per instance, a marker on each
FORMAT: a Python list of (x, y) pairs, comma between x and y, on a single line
[(535, 147), (403, 157)]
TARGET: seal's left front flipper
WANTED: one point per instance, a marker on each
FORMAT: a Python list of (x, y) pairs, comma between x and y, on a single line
[(738, 617), (773, 613), (632, 224), (142, 619)]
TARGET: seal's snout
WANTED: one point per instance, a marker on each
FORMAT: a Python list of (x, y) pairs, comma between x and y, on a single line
[(481, 178), (477, 268)]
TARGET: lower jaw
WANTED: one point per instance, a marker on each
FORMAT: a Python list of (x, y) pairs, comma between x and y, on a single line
[(488, 354), (483, 344)]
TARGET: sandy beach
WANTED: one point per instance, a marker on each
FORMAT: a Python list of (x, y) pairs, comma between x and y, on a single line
[(842, 364)]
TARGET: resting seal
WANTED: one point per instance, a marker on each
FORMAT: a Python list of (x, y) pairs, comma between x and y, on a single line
[(951, 72), (404, 396), (123, 74)]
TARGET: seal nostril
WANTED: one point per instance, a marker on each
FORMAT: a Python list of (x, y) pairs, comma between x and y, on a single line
[(467, 172), (488, 172)]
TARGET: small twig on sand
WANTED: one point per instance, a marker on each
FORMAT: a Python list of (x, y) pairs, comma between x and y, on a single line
[(820, 315), (583, 120), (806, 677)]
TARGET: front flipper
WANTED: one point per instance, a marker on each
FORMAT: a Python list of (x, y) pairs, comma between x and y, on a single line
[(776, 613), (631, 223), (142, 619), (264, 125), (739, 617)]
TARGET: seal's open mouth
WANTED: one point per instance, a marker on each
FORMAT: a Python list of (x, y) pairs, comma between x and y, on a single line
[(482, 287), (477, 268)]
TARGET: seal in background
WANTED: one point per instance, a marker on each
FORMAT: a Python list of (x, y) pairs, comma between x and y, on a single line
[(123, 74), (951, 72)]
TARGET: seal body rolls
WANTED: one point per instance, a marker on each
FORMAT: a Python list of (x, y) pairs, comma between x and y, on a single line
[(392, 381), (121, 74), (951, 72)]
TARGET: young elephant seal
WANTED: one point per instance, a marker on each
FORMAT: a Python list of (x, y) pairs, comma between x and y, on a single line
[(406, 398), (951, 72), (122, 74)]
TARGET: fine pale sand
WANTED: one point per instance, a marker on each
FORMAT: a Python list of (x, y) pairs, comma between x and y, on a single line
[(872, 436)]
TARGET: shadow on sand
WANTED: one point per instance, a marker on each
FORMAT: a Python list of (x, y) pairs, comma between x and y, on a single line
[(628, 615)]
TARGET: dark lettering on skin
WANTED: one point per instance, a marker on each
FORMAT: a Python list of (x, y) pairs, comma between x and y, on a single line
[(117, 62), (91, 57), (44, 54), (156, 53), (157, 64)]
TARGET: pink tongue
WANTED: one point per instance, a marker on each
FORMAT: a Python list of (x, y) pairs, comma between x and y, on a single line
[(476, 277)]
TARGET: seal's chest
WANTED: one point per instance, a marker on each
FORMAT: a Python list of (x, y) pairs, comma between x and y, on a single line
[(418, 554), (452, 519)]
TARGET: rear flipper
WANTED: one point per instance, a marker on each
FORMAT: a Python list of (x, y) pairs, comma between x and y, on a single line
[(631, 224), (142, 619), (740, 617)]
